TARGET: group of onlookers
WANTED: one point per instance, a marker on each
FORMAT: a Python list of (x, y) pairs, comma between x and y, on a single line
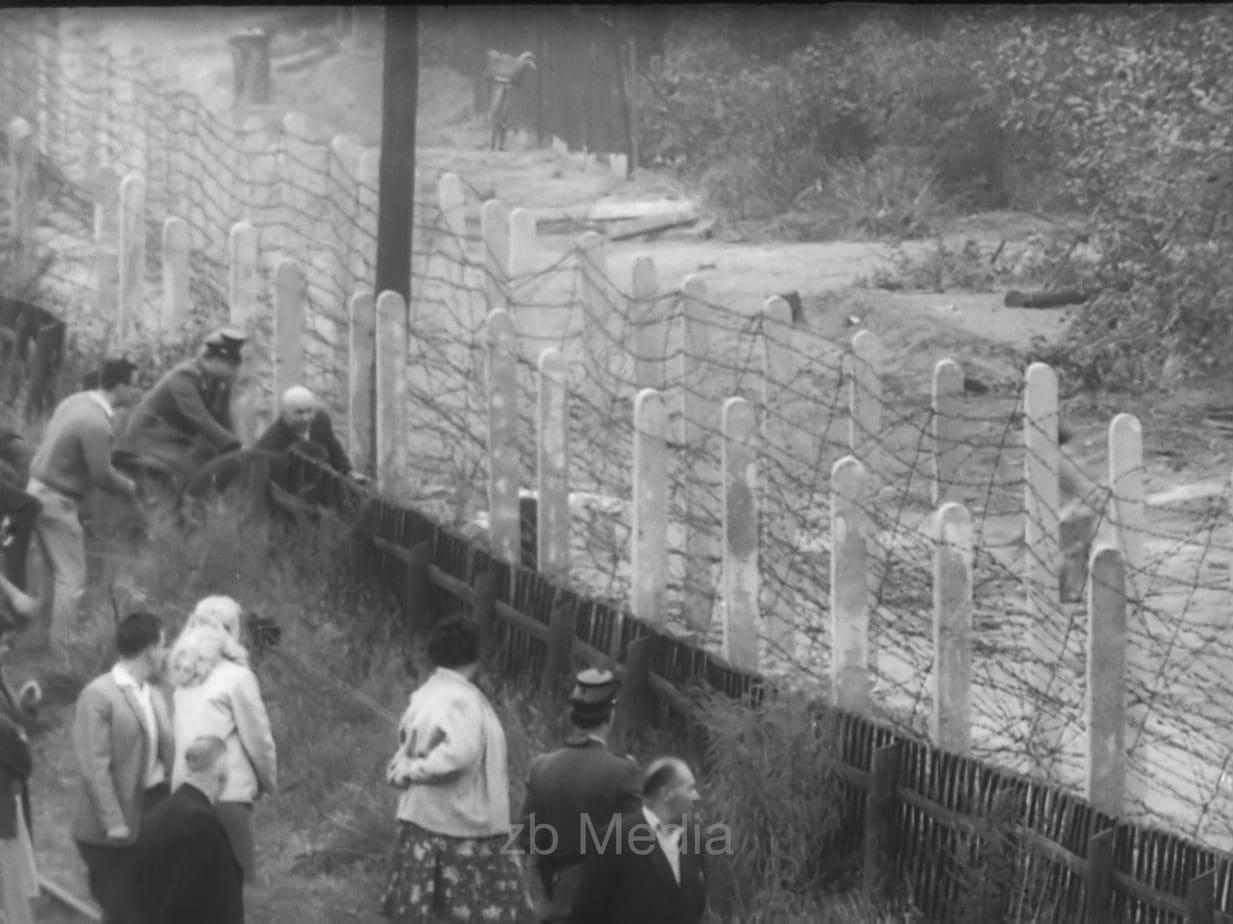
[(164, 820), (605, 840), (182, 423), (150, 858)]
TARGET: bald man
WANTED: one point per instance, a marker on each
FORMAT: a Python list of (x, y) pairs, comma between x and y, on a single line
[(301, 419)]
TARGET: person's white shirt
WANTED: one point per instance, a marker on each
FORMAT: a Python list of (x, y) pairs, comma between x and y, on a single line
[(100, 398), (155, 772), (669, 837)]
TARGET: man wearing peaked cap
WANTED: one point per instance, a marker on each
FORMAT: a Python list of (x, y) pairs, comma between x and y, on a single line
[(574, 792), (185, 419)]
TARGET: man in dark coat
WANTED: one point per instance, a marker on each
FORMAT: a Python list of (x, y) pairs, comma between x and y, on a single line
[(18, 508), (185, 419), (257, 482), (574, 793), (187, 871), (301, 420), (650, 868)]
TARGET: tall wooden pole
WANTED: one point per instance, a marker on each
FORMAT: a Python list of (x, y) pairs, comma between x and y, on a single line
[(395, 211)]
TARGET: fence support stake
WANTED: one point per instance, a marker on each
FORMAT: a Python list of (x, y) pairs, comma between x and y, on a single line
[(636, 706), (1100, 877), (560, 656), (880, 823), (1201, 898)]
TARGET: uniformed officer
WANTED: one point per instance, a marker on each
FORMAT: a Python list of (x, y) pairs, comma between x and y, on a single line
[(185, 419), (574, 792)]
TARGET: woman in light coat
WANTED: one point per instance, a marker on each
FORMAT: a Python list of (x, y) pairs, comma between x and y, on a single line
[(449, 862), (218, 694)]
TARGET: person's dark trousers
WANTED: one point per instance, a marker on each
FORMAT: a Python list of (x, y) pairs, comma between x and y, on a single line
[(111, 871), (22, 509)]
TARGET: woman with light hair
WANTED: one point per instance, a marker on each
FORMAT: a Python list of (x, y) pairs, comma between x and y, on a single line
[(218, 694), (223, 613)]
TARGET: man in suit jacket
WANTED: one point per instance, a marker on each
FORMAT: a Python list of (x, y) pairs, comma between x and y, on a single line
[(574, 793), (649, 869), (123, 743), (187, 871), (301, 421)]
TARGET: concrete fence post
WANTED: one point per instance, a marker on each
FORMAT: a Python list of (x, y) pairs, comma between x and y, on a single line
[(865, 434), (494, 229), (698, 424), (107, 244), (176, 303), (741, 579), (289, 308), (23, 198), (243, 307), (1106, 681), (850, 605), (131, 320), (504, 470), (1129, 512), (648, 333), (391, 388), (553, 528), (649, 517), (947, 429), (953, 557), (361, 380), (1042, 540)]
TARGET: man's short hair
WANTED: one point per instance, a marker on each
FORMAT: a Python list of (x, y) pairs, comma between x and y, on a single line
[(204, 753), (115, 372), (662, 773), (137, 632)]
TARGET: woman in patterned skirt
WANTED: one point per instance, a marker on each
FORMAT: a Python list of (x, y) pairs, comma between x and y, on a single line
[(449, 863)]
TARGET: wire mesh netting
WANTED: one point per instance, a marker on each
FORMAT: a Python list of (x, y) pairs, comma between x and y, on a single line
[(308, 201)]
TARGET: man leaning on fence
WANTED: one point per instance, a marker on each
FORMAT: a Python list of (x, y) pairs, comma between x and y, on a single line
[(73, 458), (303, 424), (573, 794)]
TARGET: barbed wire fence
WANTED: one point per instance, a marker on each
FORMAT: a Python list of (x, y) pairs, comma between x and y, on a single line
[(621, 332)]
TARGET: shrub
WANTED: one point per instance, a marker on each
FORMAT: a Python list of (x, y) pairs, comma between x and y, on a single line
[(769, 777)]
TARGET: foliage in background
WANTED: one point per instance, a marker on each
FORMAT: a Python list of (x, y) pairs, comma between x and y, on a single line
[(1122, 116)]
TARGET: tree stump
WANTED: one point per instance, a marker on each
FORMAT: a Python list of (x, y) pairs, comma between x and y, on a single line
[(250, 54)]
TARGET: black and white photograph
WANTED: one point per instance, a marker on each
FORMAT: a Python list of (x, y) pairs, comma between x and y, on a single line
[(616, 464)]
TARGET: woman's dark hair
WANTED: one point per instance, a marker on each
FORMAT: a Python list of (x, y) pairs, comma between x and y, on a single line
[(454, 642)]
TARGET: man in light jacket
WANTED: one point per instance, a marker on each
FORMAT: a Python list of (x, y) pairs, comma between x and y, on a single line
[(123, 745), (73, 458)]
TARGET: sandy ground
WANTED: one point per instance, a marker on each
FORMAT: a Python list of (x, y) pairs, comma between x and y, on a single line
[(916, 329)]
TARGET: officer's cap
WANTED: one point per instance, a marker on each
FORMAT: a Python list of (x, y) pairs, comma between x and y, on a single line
[(594, 695), (225, 344)]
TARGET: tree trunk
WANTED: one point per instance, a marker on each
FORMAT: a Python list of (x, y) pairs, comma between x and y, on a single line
[(250, 53), (396, 207)]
